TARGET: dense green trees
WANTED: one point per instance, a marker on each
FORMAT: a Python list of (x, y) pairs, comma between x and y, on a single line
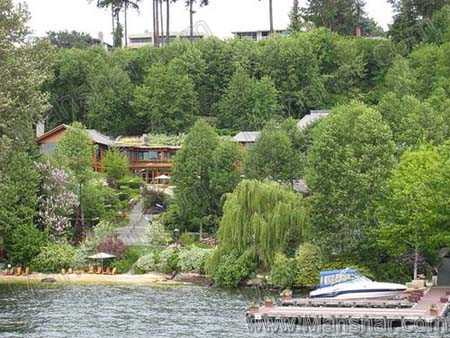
[(284, 76), (275, 155), (23, 68), (341, 16), (167, 100), (348, 164), (116, 165), (205, 169), (412, 19), (73, 39), (415, 214), (248, 103)]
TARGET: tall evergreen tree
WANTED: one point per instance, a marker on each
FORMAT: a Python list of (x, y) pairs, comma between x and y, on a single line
[(167, 100), (411, 18), (341, 16), (23, 69), (295, 17), (248, 103), (205, 170)]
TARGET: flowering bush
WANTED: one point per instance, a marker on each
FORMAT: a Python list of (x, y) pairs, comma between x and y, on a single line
[(113, 246), (193, 259), (57, 202)]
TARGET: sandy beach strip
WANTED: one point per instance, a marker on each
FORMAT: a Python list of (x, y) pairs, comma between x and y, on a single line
[(85, 278)]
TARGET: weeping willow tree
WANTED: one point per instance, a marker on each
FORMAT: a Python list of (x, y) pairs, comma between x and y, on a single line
[(263, 218)]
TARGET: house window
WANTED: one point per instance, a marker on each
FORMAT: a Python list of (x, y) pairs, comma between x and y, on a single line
[(47, 148), (150, 155)]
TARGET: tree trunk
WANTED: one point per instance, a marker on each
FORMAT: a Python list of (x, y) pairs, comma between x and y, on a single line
[(271, 16), (191, 18), (416, 263), (162, 21), (154, 23), (168, 21), (79, 218), (113, 24), (157, 22), (126, 24)]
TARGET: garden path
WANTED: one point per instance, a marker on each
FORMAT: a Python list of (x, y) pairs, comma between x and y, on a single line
[(134, 232)]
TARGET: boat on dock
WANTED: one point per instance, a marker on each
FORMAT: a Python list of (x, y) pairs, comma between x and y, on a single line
[(431, 308), (350, 284)]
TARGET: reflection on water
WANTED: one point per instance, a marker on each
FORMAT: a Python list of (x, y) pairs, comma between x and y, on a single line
[(128, 311)]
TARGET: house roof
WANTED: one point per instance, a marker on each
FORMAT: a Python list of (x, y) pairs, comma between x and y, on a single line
[(247, 137), (99, 138), (149, 141), (312, 117), (94, 135)]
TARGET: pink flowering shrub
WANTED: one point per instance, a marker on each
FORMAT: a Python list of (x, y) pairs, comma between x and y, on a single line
[(113, 246), (57, 202)]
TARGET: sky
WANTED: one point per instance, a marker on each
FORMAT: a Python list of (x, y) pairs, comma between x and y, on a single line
[(220, 18)]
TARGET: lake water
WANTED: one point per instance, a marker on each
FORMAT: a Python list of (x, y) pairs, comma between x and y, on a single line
[(132, 311)]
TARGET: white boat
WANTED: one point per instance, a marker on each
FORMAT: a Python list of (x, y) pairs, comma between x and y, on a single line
[(350, 284)]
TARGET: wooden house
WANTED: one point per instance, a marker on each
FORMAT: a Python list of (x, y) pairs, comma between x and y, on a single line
[(146, 159), (47, 143)]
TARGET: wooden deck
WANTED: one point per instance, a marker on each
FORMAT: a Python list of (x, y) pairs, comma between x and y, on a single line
[(326, 302), (429, 309)]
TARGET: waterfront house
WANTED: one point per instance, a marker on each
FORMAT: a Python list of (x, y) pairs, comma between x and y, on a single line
[(148, 157), (47, 142)]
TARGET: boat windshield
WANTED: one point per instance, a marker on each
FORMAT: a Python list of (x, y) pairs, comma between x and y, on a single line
[(330, 278)]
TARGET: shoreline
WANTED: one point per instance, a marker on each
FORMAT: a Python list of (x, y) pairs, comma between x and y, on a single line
[(150, 279)]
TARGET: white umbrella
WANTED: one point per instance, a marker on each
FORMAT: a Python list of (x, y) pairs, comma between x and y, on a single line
[(162, 177), (102, 256)]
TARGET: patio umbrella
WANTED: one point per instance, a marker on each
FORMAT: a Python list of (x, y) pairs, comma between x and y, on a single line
[(102, 256)]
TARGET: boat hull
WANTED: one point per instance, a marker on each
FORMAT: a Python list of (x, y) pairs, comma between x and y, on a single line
[(370, 295)]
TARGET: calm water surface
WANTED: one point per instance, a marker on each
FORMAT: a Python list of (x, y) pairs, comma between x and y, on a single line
[(132, 311)]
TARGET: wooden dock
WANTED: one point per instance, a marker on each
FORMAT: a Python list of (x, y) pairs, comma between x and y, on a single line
[(432, 307), (357, 303)]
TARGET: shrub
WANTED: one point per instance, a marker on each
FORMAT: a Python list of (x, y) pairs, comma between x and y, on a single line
[(168, 261), (123, 196), (193, 259), (25, 243), (233, 268), (113, 246), (116, 165), (284, 271), (151, 197), (130, 182), (80, 259), (54, 257), (156, 234), (99, 202), (100, 232), (309, 264), (187, 239), (129, 258), (147, 263)]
